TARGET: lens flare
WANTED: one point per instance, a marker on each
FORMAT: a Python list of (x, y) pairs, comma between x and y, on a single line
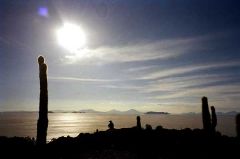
[(43, 11)]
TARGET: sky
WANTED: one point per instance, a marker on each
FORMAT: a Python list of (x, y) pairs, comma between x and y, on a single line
[(150, 55)]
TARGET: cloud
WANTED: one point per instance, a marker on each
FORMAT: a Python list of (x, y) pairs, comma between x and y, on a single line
[(123, 86), (187, 86), (224, 97), (177, 84), (188, 69), (80, 79), (172, 84), (142, 51), (181, 86), (141, 68), (214, 91)]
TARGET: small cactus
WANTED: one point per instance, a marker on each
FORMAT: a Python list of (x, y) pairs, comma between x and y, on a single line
[(214, 118), (42, 124), (206, 115), (139, 122), (238, 125)]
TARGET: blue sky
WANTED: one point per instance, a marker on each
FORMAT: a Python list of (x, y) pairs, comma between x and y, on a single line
[(146, 55)]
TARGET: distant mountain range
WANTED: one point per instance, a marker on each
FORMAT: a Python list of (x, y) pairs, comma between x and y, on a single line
[(113, 111), (128, 112), (157, 113), (131, 111), (231, 113), (228, 113)]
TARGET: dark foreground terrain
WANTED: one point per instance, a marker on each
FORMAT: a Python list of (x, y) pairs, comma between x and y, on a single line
[(128, 143)]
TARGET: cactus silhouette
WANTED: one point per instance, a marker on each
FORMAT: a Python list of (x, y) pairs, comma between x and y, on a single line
[(139, 122), (238, 125), (42, 124), (206, 115), (214, 118)]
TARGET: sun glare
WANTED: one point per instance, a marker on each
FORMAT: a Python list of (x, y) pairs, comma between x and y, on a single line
[(71, 37)]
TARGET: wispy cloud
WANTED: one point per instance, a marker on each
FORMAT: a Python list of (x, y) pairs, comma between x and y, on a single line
[(142, 51), (142, 68), (174, 87), (213, 91), (177, 83), (178, 86), (188, 69), (80, 79), (124, 86)]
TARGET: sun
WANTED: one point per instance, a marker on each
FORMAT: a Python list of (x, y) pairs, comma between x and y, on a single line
[(71, 37)]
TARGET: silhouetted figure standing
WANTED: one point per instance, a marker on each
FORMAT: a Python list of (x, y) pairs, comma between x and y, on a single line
[(206, 115), (214, 118), (111, 125), (238, 125), (139, 122), (42, 124)]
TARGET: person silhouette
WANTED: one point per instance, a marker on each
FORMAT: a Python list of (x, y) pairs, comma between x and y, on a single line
[(111, 125)]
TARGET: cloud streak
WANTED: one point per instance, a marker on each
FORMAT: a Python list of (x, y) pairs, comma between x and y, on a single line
[(142, 51), (182, 86), (188, 69), (80, 79)]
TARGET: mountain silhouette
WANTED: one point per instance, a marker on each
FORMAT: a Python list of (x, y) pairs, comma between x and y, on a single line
[(128, 112)]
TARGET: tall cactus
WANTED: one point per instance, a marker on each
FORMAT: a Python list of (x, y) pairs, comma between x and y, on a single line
[(238, 125), (42, 124), (206, 115), (139, 122), (214, 118)]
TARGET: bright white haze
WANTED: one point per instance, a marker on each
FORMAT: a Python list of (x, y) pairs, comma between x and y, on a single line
[(71, 37)]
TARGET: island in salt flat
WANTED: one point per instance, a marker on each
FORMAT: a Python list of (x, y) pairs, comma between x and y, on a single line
[(160, 113)]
